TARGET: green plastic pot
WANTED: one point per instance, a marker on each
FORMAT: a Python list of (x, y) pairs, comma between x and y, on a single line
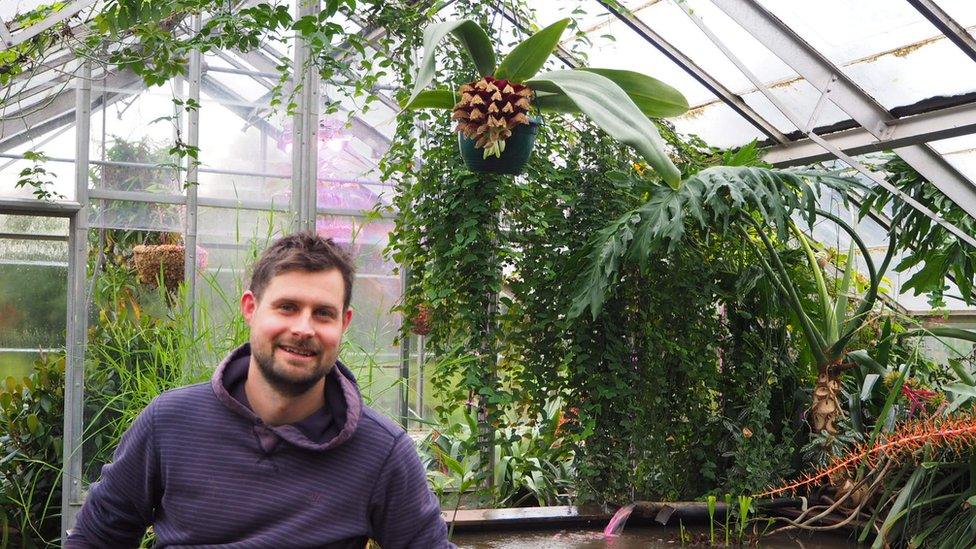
[(518, 149)]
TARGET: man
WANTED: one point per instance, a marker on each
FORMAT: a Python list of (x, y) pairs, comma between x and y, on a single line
[(278, 450)]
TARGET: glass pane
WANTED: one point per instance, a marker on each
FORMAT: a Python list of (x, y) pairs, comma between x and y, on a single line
[(377, 288), (58, 178), (800, 98), (962, 11), (718, 125), (242, 135), (616, 46), (887, 48), (33, 291), (17, 138), (240, 226), (271, 188), (960, 152), (132, 136), (125, 214), (672, 23)]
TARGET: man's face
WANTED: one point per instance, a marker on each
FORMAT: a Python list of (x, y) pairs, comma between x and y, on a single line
[(296, 328)]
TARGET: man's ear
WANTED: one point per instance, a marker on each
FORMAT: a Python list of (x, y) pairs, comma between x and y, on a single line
[(346, 318), (248, 303)]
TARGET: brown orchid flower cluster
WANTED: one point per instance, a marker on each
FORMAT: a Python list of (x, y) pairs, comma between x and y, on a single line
[(489, 110)]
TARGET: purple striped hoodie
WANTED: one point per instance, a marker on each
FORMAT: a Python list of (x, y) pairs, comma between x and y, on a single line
[(205, 471)]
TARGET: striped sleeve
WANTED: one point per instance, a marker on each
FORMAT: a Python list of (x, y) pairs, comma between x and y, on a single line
[(119, 507), (405, 513)]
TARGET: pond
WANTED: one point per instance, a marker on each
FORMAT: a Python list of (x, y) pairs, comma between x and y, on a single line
[(637, 537)]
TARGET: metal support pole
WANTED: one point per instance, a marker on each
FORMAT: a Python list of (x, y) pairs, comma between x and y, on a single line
[(77, 311), (192, 184), (403, 395), (305, 128)]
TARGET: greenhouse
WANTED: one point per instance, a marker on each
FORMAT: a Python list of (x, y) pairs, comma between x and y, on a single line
[(628, 273)]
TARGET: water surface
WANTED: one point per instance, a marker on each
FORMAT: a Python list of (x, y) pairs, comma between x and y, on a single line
[(632, 538)]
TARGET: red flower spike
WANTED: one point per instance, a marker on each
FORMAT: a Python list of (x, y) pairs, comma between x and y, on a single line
[(956, 434)]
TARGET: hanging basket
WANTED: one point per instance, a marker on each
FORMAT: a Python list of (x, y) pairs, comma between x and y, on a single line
[(420, 324), (150, 259), (518, 149)]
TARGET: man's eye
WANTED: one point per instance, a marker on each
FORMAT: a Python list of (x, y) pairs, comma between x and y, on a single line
[(324, 313), (287, 307)]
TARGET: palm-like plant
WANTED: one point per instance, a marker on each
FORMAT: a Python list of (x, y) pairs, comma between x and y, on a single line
[(753, 201), (490, 109)]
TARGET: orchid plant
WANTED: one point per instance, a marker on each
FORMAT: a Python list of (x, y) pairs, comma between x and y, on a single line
[(489, 109)]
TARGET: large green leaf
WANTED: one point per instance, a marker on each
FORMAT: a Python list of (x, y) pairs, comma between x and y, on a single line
[(714, 198), (434, 99), (474, 39), (653, 97), (840, 306), (611, 109), (527, 58)]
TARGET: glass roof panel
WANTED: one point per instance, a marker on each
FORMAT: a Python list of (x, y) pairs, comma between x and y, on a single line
[(718, 125), (630, 51), (800, 98), (671, 22), (962, 11), (960, 152), (887, 48)]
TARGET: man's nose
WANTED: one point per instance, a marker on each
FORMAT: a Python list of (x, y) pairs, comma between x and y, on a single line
[(302, 327)]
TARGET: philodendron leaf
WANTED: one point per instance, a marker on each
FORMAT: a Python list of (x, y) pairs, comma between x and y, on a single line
[(653, 97), (434, 99), (474, 39), (527, 58), (612, 109)]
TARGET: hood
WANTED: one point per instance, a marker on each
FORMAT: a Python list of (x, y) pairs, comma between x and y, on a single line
[(342, 398)]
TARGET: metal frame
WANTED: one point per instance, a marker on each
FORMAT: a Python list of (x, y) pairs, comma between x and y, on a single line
[(19, 37), (777, 37), (834, 84), (77, 321), (912, 130), (728, 97), (947, 25)]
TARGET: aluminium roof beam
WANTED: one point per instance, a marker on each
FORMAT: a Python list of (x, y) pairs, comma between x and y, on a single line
[(727, 96), (778, 38), (51, 20), (911, 130), (949, 26)]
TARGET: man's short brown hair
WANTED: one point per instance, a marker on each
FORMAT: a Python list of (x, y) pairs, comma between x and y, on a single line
[(302, 251)]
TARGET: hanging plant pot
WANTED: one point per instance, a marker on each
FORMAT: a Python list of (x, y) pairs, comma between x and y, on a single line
[(518, 149), (150, 259)]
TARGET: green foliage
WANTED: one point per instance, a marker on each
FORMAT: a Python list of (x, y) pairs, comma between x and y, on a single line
[(32, 425), (653, 97), (713, 198), (37, 177), (932, 249), (533, 457), (529, 56)]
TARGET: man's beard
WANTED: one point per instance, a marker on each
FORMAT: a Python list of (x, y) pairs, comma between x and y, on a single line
[(283, 384)]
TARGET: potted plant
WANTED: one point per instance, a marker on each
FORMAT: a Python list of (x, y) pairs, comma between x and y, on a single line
[(493, 112)]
